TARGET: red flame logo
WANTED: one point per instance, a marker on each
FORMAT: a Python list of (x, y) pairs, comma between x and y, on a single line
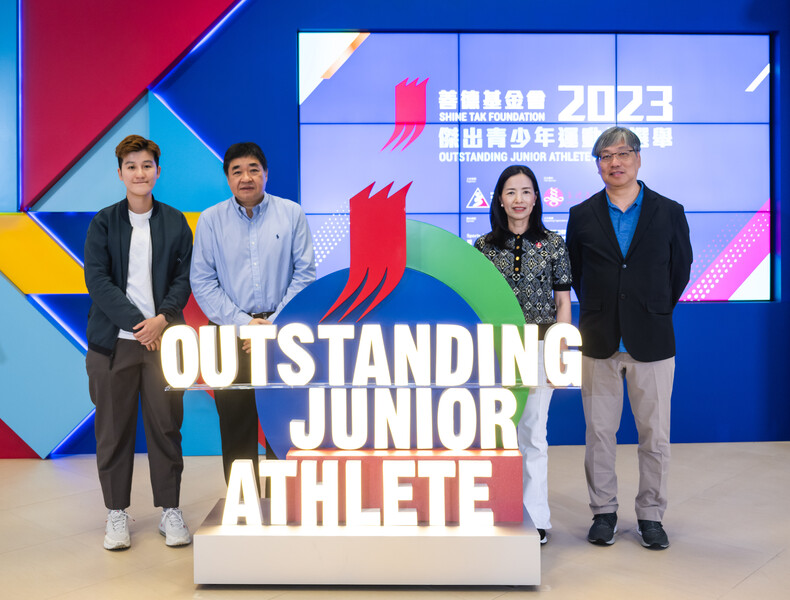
[(378, 247), (409, 112)]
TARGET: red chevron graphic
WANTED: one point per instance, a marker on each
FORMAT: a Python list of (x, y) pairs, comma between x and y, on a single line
[(378, 247), (409, 112)]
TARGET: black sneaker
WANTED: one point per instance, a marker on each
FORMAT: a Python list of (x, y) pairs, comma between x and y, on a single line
[(653, 535), (543, 538), (603, 529)]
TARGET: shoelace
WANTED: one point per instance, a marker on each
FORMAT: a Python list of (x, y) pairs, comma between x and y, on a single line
[(118, 519), (174, 517)]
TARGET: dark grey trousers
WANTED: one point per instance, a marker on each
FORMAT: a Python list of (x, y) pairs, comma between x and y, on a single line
[(115, 387)]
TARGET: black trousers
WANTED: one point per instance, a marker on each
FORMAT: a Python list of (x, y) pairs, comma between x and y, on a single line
[(238, 421), (116, 386)]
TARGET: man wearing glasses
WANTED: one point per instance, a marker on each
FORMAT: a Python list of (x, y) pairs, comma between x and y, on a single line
[(630, 259)]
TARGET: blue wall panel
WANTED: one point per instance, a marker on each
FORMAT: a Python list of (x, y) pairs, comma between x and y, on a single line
[(192, 178), (32, 400)]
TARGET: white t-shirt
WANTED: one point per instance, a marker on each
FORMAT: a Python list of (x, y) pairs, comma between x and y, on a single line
[(139, 288)]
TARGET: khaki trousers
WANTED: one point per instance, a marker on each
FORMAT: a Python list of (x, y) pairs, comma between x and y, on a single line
[(649, 392)]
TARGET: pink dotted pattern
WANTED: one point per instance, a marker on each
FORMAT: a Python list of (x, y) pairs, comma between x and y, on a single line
[(736, 262)]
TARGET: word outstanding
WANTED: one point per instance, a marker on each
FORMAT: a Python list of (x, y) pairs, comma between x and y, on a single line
[(441, 355)]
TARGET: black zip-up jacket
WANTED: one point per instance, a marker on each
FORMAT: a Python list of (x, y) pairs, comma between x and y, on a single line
[(107, 266)]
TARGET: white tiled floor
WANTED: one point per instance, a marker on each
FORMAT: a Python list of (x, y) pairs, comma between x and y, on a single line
[(728, 523)]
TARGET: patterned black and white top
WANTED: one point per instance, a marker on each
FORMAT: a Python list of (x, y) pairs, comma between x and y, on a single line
[(535, 269)]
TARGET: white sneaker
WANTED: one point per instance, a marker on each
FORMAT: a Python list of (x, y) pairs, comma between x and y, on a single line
[(116, 534), (174, 529)]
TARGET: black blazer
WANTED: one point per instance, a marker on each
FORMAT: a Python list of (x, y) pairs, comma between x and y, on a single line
[(633, 296)]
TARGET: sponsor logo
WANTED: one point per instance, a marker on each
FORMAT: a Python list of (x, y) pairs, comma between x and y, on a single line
[(478, 200), (553, 197)]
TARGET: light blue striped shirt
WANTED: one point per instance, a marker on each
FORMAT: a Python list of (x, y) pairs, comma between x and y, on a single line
[(243, 265)]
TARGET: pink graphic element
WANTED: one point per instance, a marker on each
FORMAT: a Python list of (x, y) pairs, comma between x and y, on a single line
[(477, 200), (378, 246), (553, 197), (409, 112), (736, 262)]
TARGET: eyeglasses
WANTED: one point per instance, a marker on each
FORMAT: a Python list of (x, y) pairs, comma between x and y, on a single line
[(623, 156)]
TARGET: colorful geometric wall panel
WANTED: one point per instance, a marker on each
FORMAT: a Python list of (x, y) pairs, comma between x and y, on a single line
[(34, 262), (92, 183), (68, 228), (200, 430), (8, 106), (192, 219), (34, 386), (67, 312), (194, 108), (12, 446), (117, 62), (192, 177), (200, 89), (83, 439)]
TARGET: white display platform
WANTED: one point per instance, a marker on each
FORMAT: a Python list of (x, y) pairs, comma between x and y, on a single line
[(506, 554)]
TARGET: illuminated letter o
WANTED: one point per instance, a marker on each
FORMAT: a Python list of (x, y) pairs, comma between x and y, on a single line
[(184, 339)]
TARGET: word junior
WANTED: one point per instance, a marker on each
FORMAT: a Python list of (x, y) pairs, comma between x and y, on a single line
[(441, 355)]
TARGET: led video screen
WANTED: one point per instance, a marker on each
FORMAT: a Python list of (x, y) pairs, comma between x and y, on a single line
[(446, 113)]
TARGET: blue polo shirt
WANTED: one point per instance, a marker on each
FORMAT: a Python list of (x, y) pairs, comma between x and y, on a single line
[(624, 224)]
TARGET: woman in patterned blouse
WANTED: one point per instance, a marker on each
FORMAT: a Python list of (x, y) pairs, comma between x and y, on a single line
[(534, 261)]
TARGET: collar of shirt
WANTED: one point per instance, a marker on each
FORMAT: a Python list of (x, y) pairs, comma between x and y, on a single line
[(257, 210), (528, 235), (636, 203)]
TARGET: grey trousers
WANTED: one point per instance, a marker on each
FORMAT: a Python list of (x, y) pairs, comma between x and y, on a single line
[(649, 391), (115, 387)]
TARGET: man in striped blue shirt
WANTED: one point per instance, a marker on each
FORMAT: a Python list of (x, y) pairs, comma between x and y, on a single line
[(253, 253)]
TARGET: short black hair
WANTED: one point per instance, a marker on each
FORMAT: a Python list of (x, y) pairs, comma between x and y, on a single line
[(244, 149)]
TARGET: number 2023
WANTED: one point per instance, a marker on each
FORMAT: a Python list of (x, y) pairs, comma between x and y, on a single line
[(601, 102)]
